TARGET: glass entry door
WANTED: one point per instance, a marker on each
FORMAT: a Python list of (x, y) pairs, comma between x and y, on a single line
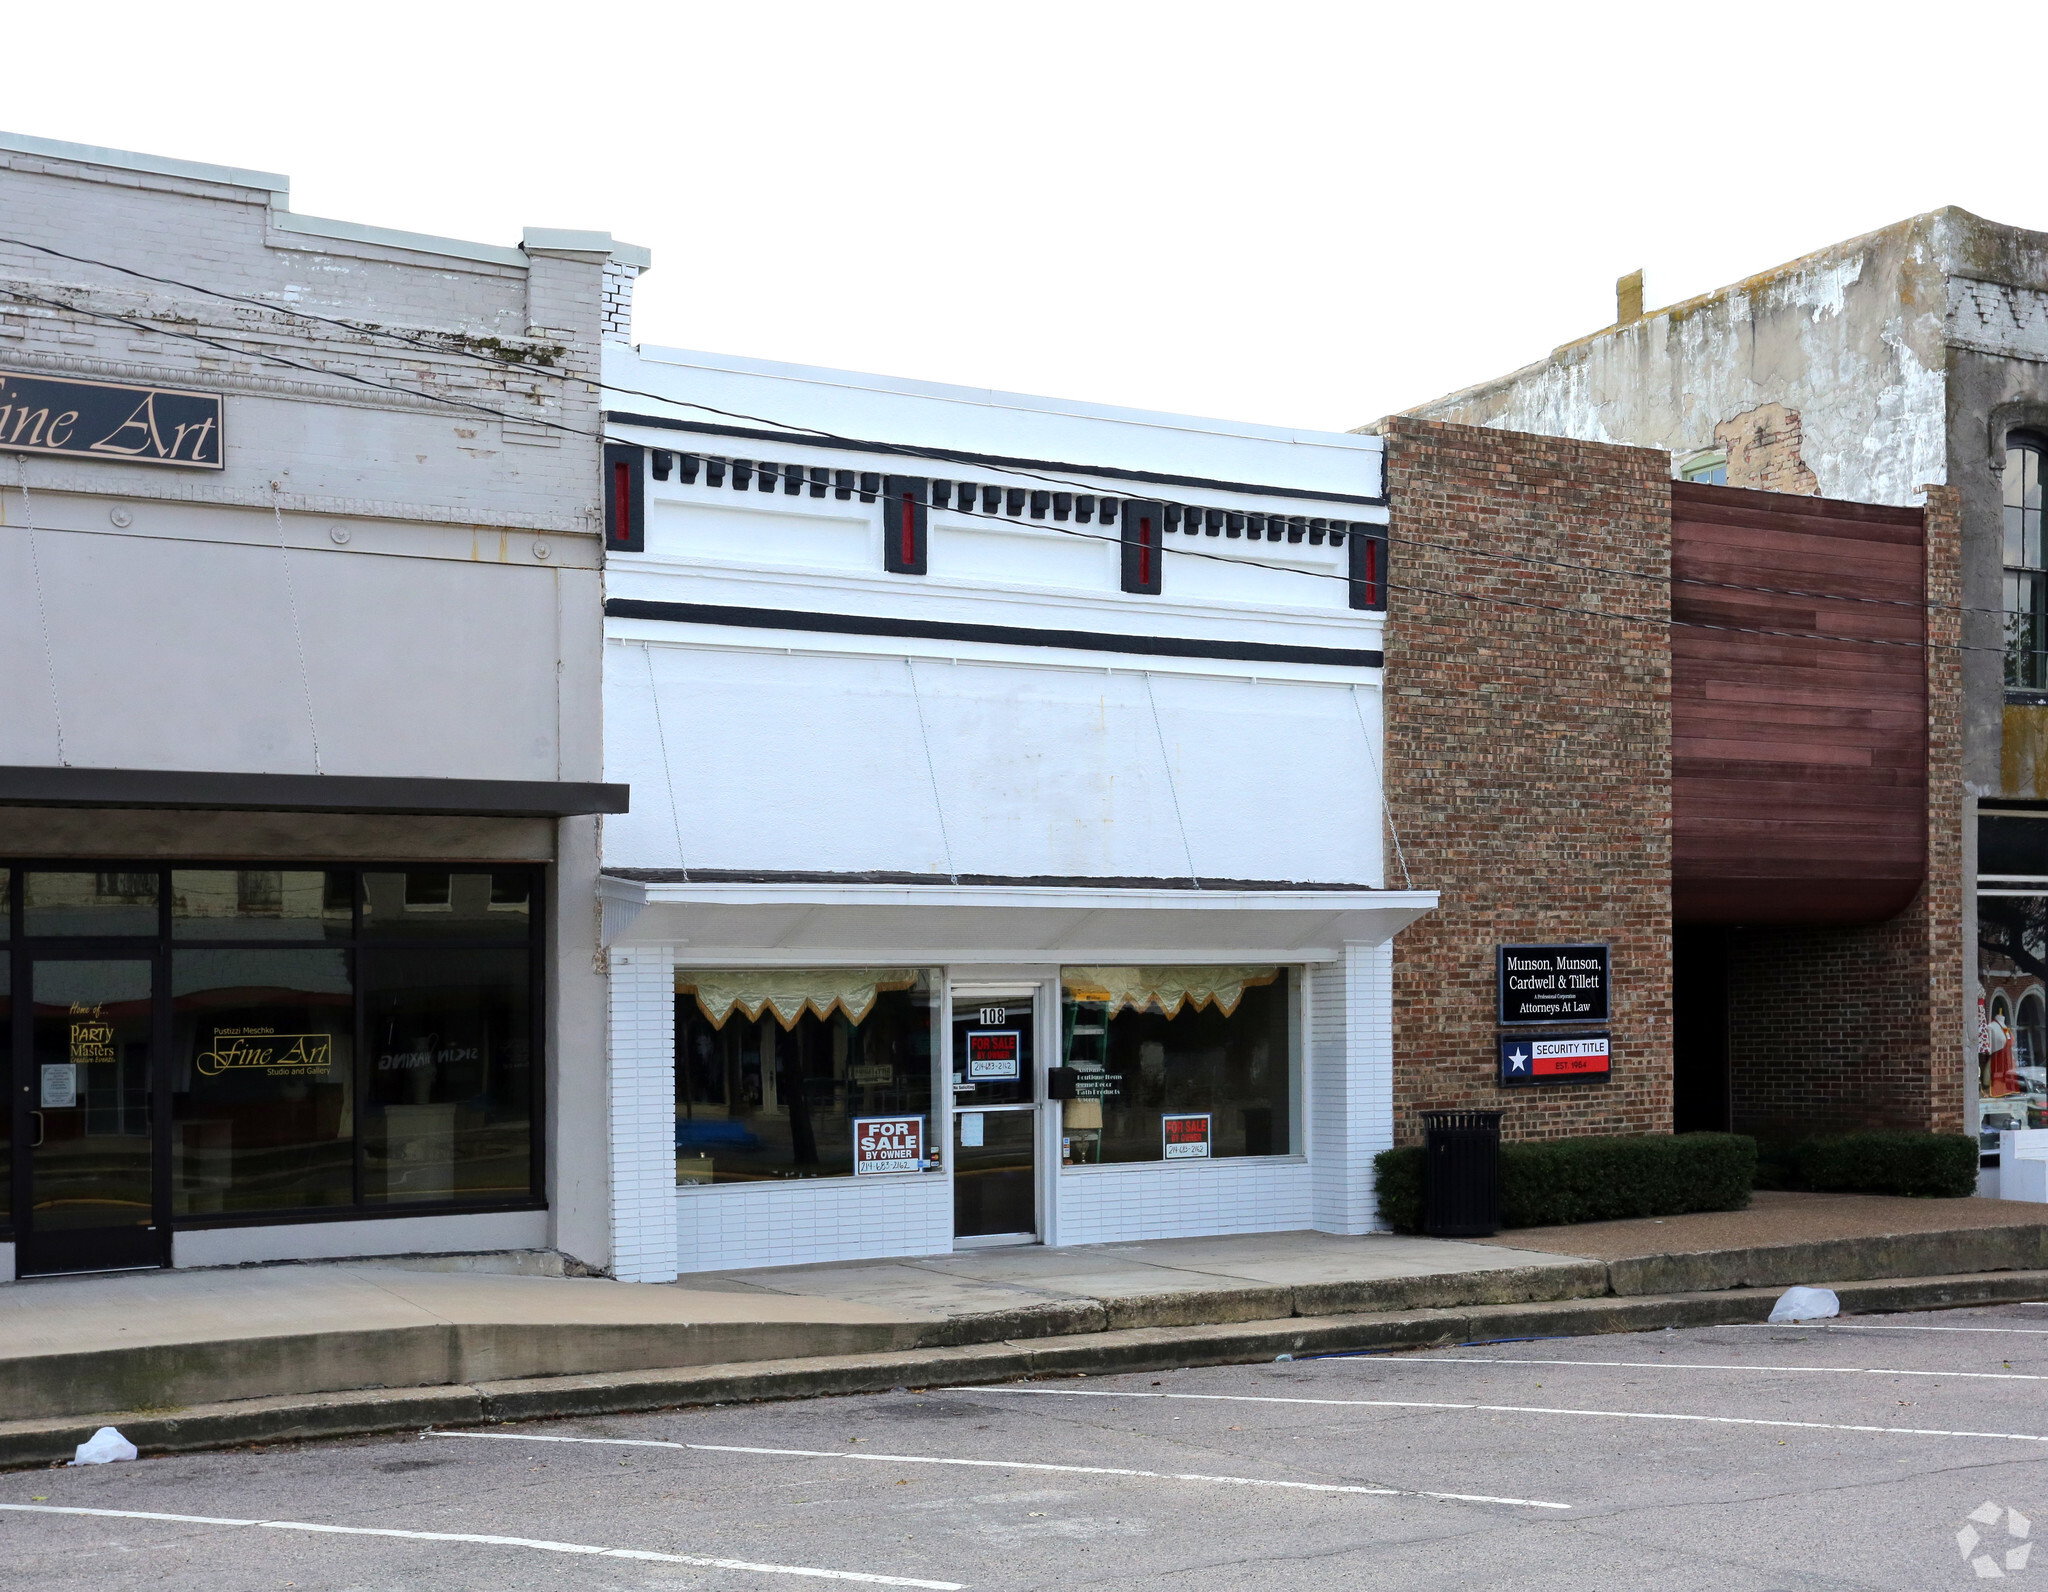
[(995, 1117), (85, 1119)]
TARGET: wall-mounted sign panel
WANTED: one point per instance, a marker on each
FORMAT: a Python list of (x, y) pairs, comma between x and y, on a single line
[(106, 420), (1553, 983), (1526, 1059)]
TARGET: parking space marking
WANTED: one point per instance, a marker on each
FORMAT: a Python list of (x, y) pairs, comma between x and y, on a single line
[(698, 1561), (1684, 1365), (1902, 1326), (1007, 1464), (1508, 1409)]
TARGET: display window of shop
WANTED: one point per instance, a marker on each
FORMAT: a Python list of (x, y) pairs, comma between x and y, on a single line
[(2012, 1013), (804, 1072), (327, 1040), (1177, 1063)]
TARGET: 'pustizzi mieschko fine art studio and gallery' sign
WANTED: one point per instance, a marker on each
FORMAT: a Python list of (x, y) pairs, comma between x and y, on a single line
[(1553, 983), (107, 420)]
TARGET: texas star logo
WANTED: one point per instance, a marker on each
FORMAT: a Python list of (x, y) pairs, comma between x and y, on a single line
[(1518, 1060)]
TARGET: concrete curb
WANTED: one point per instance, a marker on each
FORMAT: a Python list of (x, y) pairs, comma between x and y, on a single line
[(1125, 1349)]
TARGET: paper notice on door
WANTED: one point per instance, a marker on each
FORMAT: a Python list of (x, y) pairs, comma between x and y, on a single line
[(970, 1130), (60, 1086)]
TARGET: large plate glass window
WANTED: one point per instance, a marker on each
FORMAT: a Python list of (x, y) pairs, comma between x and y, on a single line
[(774, 1066), (1176, 1063)]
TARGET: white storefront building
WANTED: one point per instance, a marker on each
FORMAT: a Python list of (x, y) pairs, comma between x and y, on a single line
[(1005, 858)]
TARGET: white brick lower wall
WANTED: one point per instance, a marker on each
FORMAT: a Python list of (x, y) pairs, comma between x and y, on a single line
[(642, 1099), (805, 1220), (1351, 1083), (1121, 1204)]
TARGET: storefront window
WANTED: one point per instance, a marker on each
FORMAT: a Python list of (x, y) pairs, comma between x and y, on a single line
[(263, 1066), (2012, 1013), (338, 1038), (449, 1085), (774, 1067), (1176, 1063)]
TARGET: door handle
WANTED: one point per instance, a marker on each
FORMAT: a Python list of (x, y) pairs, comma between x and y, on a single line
[(37, 1142)]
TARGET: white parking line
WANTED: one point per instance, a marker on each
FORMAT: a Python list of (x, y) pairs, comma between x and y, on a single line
[(1684, 1365), (1004, 1464), (1886, 1326), (1506, 1409), (696, 1560)]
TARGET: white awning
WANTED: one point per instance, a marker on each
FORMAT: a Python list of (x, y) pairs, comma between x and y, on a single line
[(857, 922)]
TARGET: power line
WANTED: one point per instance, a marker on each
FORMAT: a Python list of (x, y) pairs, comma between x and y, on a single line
[(1186, 552), (797, 433)]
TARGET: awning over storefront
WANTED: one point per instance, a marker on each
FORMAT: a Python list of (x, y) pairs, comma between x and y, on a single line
[(201, 791), (917, 921)]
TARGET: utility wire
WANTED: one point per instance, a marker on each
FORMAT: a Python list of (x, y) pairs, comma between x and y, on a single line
[(1188, 552), (930, 455)]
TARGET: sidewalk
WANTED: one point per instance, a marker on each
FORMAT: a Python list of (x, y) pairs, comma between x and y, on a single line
[(304, 1349)]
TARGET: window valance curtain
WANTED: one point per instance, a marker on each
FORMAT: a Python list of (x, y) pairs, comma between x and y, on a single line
[(790, 992), (1164, 989)]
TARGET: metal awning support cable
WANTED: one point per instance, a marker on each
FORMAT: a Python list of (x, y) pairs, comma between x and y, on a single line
[(1380, 778), (35, 565), (931, 769), (668, 769), (1172, 786)]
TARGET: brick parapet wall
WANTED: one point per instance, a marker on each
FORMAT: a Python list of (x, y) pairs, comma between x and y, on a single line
[(1837, 1028), (1529, 755)]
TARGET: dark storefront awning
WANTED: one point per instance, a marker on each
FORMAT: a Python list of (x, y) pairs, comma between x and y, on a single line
[(199, 791)]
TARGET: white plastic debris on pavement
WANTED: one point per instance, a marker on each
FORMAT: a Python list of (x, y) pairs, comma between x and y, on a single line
[(104, 1447), (1806, 1304)]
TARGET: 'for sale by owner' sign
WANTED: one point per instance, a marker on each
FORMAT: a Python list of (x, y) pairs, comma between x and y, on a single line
[(1553, 983), (887, 1144)]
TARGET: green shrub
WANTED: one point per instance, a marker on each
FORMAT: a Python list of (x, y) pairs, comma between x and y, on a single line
[(1943, 1165), (1552, 1182)]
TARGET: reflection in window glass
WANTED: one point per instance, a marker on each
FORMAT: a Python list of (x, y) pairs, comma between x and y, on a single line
[(112, 903), (2012, 1014), (449, 1081), (773, 1067), (437, 904), (1176, 1063), (263, 1058), (260, 904), (6, 1083)]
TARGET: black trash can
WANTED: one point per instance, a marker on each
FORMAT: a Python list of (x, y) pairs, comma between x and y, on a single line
[(1461, 1173)]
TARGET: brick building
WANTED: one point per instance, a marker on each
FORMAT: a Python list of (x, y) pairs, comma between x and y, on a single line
[(1610, 722)]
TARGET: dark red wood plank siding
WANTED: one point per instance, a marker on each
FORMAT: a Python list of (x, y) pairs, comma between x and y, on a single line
[(1799, 766)]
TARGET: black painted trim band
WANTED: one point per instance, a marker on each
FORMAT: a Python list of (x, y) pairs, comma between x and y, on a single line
[(994, 461), (304, 793), (1009, 635)]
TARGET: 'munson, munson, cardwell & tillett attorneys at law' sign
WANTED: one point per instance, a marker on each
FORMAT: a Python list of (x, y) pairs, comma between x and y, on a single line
[(1553, 983), (110, 421)]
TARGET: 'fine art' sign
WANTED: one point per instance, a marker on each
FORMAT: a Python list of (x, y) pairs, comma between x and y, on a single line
[(105, 420), (887, 1144), (1553, 983), (1554, 1058)]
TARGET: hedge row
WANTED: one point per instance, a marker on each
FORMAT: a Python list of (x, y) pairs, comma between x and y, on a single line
[(1552, 1182), (1940, 1164)]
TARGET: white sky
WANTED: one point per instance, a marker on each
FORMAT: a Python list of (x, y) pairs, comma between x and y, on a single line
[(1304, 214)]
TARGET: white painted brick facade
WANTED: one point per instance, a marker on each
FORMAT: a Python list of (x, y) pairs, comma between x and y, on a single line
[(618, 301), (1351, 1082), (1123, 1204), (660, 1230), (809, 1220), (642, 1096)]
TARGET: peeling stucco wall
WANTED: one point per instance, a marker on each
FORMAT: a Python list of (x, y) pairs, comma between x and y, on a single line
[(1850, 340)]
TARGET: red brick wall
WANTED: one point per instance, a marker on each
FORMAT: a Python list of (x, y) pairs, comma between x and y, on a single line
[(1529, 756)]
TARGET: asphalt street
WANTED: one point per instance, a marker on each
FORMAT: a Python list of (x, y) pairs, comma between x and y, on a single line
[(1881, 1452)]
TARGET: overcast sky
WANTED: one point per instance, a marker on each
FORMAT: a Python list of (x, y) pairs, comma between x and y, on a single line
[(1300, 214)]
